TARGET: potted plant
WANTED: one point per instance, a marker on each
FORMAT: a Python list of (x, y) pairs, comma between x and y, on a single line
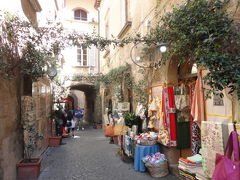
[(130, 119), (54, 141), (29, 167), (58, 122)]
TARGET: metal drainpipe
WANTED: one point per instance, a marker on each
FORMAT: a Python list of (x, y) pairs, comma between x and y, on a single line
[(98, 35)]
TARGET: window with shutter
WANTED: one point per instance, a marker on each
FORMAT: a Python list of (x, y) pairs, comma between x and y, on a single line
[(125, 24), (123, 9), (92, 55), (82, 56)]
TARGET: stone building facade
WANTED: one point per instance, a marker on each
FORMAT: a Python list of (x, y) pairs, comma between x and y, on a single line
[(17, 108), (133, 17), (82, 17)]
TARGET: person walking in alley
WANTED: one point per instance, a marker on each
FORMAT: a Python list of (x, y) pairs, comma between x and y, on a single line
[(72, 127), (79, 114), (69, 121)]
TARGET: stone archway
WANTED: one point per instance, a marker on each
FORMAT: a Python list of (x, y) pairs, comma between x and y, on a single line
[(90, 100)]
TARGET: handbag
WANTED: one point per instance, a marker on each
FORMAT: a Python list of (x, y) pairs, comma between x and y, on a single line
[(109, 130), (226, 168)]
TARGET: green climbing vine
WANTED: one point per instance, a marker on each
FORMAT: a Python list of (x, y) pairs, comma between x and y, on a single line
[(201, 31), (116, 76)]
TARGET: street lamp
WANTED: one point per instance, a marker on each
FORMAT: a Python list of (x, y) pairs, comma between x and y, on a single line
[(163, 47)]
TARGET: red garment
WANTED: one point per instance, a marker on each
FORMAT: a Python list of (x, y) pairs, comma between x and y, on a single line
[(169, 114), (64, 131), (187, 161), (173, 129), (164, 110)]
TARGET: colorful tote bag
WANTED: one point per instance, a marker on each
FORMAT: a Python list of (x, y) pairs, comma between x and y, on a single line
[(226, 168), (109, 130)]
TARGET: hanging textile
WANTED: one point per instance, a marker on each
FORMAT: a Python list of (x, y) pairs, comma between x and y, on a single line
[(181, 97), (196, 138), (195, 130), (182, 116), (235, 107), (197, 106), (212, 143), (141, 112), (214, 139), (183, 135), (169, 114)]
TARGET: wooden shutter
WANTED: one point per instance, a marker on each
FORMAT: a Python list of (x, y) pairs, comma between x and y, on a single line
[(92, 55)]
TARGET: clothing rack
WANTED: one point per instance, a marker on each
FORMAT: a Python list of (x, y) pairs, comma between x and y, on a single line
[(174, 84)]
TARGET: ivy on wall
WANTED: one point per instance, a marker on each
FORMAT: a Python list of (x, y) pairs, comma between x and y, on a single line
[(120, 75)]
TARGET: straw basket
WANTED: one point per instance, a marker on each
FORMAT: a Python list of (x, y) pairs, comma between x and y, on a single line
[(158, 170), (147, 143)]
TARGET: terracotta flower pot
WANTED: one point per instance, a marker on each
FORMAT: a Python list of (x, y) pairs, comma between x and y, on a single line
[(28, 169), (54, 141), (98, 126)]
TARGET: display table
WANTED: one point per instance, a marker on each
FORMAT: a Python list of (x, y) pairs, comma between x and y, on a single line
[(128, 145), (142, 151)]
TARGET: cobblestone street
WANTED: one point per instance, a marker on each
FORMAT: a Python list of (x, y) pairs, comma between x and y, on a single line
[(88, 156)]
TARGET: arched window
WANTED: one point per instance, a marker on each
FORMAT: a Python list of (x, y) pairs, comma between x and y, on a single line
[(80, 14)]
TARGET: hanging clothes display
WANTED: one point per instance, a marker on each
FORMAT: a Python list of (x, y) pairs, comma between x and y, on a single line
[(197, 106), (162, 113), (181, 97), (182, 116), (195, 129), (212, 143), (169, 114), (214, 138), (155, 108), (141, 112), (196, 138), (183, 135)]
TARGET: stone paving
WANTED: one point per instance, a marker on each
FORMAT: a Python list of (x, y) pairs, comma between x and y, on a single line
[(88, 156)]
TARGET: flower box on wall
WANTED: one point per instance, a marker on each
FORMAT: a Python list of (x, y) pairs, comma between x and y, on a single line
[(28, 169), (54, 141)]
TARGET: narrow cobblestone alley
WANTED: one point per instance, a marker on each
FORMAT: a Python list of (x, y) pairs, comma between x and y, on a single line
[(88, 156)]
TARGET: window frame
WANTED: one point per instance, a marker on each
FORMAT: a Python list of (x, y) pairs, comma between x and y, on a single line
[(80, 53), (125, 24), (80, 17)]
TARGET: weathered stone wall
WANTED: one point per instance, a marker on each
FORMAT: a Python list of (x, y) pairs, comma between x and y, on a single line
[(144, 16), (36, 110), (11, 139), (97, 109)]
